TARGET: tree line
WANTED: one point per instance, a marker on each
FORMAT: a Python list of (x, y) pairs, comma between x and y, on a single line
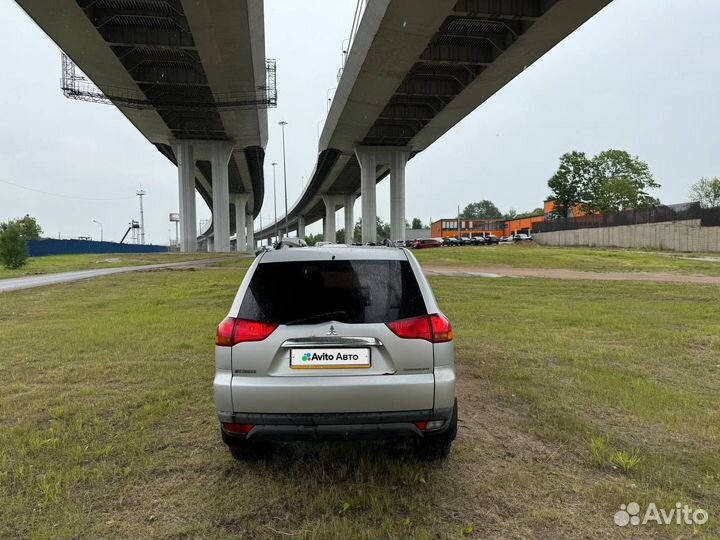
[(611, 181)]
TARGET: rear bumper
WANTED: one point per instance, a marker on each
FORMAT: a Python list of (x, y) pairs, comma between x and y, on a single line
[(345, 426), (324, 394)]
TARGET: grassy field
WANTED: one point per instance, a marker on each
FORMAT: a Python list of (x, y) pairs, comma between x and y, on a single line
[(71, 263), (599, 260), (107, 425)]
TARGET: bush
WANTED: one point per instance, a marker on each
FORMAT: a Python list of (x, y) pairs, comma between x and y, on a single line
[(13, 246)]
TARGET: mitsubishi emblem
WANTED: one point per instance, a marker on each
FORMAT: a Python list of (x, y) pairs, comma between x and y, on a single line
[(332, 331)]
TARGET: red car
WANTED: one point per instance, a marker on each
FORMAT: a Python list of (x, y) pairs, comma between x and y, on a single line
[(426, 243)]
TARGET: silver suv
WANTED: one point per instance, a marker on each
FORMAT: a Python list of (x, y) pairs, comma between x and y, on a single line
[(335, 342)]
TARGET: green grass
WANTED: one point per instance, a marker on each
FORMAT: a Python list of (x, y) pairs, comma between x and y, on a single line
[(70, 263), (107, 425), (587, 259)]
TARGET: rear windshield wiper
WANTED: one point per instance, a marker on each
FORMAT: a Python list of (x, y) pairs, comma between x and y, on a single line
[(320, 317)]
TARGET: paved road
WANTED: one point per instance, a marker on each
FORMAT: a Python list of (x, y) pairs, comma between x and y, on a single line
[(28, 282)]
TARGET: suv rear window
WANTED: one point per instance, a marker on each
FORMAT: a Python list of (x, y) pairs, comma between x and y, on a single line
[(355, 291)]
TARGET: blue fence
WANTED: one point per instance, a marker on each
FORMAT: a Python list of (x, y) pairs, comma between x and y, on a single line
[(48, 246)]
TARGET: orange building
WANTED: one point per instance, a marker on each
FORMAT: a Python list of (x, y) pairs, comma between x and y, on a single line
[(470, 228), (522, 225), (575, 211)]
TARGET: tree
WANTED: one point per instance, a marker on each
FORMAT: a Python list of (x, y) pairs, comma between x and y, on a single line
[(511, 214), (417, 224), (706, 191), (481, 210), (340, 236), (29, 227), (612, 181), (383, 231), (538, 211), (357, 231), (13, 245), (619, 182), (569, 184), (312, 239)]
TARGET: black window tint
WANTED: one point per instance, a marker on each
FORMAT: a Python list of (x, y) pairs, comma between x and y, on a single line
[(349, 291)]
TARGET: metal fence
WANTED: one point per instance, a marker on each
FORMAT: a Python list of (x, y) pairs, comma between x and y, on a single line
[(709, 217), (51, 246)]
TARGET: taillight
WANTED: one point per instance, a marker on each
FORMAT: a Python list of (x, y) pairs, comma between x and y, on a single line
[(433, 328), (441, 329), (416, 328), (232, 331), (231, 427)]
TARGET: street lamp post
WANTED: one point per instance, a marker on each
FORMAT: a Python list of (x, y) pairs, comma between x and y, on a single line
[(275, 201), (282, 124), (101, 229)]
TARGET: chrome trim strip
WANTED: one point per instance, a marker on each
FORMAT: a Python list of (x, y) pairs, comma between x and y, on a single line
[(332, 341)]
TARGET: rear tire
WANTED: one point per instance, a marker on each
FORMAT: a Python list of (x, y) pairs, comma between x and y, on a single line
[(244, 450), (436, 447)]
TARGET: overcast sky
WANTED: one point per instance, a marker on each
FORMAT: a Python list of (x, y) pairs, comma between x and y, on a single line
[(641, 76)]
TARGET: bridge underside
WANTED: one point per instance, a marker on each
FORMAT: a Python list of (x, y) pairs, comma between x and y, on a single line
[(179, 70), (468, 52)]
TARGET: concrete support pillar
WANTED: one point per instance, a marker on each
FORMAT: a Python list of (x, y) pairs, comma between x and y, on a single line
[(220, 153), (329, 231), (398, 160), (349, 218), (186, 189), (250, 232), (301, 227), (241, 202), (367, 159)]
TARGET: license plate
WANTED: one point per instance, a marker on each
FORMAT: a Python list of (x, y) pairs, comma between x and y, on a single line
[(329, 358)]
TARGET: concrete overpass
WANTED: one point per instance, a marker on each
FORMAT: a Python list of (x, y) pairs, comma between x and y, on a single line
[(414, 70), (192, 77)]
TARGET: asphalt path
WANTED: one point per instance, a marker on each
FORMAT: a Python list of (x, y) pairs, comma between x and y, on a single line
[(28, 282)]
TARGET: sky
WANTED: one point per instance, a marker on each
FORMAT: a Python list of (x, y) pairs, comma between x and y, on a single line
[(641, 76)]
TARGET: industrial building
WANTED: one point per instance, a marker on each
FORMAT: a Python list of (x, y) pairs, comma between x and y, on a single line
[(467, 227)]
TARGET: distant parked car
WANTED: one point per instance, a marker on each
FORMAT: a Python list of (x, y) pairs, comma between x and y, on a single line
[(491, 239), (478, 241), (522, 238), (466, 241), (427, 243), (451, 242)]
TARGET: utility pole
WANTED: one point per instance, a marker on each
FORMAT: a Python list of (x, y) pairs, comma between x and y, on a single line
[(458, 223), (140, 193), (275, 201), (282, 124)]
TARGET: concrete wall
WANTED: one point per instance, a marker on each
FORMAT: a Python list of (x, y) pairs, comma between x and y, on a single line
[(670, 235), (416, 234)]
